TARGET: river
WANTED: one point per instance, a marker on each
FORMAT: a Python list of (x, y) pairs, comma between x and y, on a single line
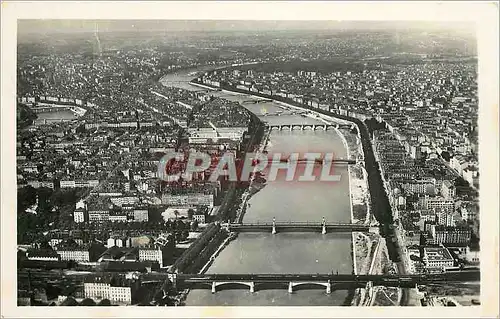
[(285, 201)]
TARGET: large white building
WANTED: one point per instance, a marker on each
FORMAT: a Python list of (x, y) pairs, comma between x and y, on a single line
[(124, 200), (79, 183), (425, 186), (74, 254), (450, 235), (437, 258), (140, 215), (98, 215), (100, 290), (118, 217), (448, 190), (42, 255), (438, 203), (79, 215), (200, 218), (151, 254), (194, 199), (202, 135)]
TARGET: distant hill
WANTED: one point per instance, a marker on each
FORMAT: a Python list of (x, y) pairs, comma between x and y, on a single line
[(324, 66)]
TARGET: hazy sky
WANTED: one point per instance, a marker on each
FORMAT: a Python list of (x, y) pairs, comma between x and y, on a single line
[(55, 26)]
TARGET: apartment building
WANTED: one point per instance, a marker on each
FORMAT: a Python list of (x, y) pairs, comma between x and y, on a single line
[(448, 190), (451, 235), (102, 290), (74, 254)]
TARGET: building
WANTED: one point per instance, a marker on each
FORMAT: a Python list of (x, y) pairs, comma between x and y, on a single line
[(415, 152), (42, 255), (472, 255), (53, 242), (120, 294), (193, 199), (448, 190), (99, 216), (200, 218), (67, 184), (141, 215), (38, 184), (469, 211), (437, 258), (428, 215), (118, 217), (118, 242), (445, 218), (419, 186), (438, 203), (151, 254), (102, 290), (454, 235), (124, 200), (79, 215), (457, 163), (470, 174), (81, 204), (74, 254)]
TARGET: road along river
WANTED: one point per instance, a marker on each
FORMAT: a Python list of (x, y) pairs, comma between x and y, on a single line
[(285, 201)]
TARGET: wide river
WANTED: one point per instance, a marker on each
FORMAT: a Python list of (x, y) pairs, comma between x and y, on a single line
[(285, 201)]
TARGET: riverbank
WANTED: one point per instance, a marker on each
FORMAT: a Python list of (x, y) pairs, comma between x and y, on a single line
[(232, 236), (184, 293), (256, 181)]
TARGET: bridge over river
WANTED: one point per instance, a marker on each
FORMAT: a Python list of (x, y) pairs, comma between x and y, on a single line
[(293, 282), (275, 227), (56, 108), (256, 101), (313, 127), (317, 161)]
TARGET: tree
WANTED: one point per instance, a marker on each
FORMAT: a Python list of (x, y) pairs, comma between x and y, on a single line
[(26, 197), (104, 302), (180, 225), (446, 156), (190, 213), (70, 301), (194, 225), (87, 302), (81, 129)]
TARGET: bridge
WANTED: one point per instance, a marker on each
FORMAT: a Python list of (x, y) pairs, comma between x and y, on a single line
[(55, 108), (50, 121), (317, 161), (273, 227), (256, 101), (294, 282), (313, 127)]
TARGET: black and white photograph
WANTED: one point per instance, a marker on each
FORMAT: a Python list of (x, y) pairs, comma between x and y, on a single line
[(178, 162)]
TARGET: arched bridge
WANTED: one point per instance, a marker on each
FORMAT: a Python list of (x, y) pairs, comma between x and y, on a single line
[(313, 127), (293, 282), (292, 285), (56, 108)]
